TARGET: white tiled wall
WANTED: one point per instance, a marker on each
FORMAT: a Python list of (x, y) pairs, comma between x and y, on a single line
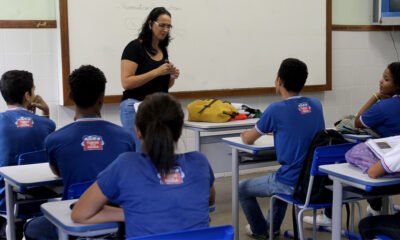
[(359, 59)]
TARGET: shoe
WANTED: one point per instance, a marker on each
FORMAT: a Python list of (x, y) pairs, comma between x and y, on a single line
[(322, 220), (372, 212), (261, 236)]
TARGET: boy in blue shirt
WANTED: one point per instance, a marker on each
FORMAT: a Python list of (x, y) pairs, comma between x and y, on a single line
[(293, 121), (84, 148), (21, 130)]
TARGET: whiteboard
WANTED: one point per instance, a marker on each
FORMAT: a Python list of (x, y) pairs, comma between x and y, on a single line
[(217, 44)]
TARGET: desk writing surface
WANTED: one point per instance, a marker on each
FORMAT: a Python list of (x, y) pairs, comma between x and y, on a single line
[(230, 124), (59, 213), (30, 174), (264, 142), (351, 173)]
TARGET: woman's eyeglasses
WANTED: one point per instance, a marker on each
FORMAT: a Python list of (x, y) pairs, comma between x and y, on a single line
[(164, 25)]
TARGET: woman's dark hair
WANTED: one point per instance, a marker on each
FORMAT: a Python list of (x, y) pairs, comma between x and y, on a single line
[(146, 35), (14, 84), (394, 69), (87, 84), (293, 73), (160, 121)]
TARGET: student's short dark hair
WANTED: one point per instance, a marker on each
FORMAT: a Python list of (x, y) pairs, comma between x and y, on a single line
[(87, 84), (394, 69), (293, 74), (14, 84)]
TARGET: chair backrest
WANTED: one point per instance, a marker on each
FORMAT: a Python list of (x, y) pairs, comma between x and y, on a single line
[(77, 189), (39, 156), (322, 156), (329, 155), (212, 233)]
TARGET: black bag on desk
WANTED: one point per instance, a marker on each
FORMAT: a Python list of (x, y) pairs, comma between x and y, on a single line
[(319, 192)]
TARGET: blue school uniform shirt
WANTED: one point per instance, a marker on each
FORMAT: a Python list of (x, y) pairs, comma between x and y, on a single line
[(21, 131), (294, 123), (81, 150), (154, 205), (383, 117)]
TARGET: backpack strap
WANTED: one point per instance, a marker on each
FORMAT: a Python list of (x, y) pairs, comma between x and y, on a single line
[(208, 105)]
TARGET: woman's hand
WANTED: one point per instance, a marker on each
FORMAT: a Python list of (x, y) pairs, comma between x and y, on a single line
[(165, 69), (175, 73)]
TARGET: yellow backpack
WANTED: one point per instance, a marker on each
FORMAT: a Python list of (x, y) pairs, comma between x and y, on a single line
[(211, 110)]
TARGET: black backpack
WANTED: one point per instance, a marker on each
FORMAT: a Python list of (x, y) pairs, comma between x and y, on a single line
[(319, 193)]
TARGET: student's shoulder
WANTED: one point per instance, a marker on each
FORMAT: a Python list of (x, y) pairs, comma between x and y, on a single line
[(131, 160), (61, 133), (45, 120), (194, 156), (115, 128)]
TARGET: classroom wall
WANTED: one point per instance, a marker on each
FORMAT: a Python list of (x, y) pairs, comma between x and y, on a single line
[(27, 10), (352, 12)]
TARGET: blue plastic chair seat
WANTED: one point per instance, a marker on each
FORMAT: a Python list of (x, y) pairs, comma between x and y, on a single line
[(298, 203)]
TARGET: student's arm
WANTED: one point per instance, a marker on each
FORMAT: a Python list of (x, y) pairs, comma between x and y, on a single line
[(38, 102), (130, 80), (92, 208), (250, 136), (376, 170), (373, 99), (211, 200)]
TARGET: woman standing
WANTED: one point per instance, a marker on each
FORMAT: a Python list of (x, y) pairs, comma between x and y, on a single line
[(145, 68)]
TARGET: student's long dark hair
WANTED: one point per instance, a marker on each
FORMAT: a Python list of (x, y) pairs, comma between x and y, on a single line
[(160, 121), (146, 35), (394, 69)]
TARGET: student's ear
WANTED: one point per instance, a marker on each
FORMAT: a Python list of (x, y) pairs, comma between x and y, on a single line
[(138, 133), (279, 81), (27, 97), (100, 101)]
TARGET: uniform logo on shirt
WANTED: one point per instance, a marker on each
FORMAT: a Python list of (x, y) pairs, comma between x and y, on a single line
[(176, 176), (92, 143), (304, 108), (24, 122)]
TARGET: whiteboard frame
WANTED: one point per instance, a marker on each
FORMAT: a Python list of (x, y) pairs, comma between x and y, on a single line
[(65, 59)]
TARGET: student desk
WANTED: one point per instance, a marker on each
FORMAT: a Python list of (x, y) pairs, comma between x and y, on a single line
[(18, 179), (346, 174), (59, 213), (199, 127), (356, 138), (263, 144)]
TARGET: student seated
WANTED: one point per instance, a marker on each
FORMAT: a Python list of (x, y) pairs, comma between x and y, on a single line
[(159, 190), (380, 113), (81, 150), (294, 121), (21, 130)]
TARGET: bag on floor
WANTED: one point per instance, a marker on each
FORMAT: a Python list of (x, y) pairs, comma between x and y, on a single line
[(211, 110)]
